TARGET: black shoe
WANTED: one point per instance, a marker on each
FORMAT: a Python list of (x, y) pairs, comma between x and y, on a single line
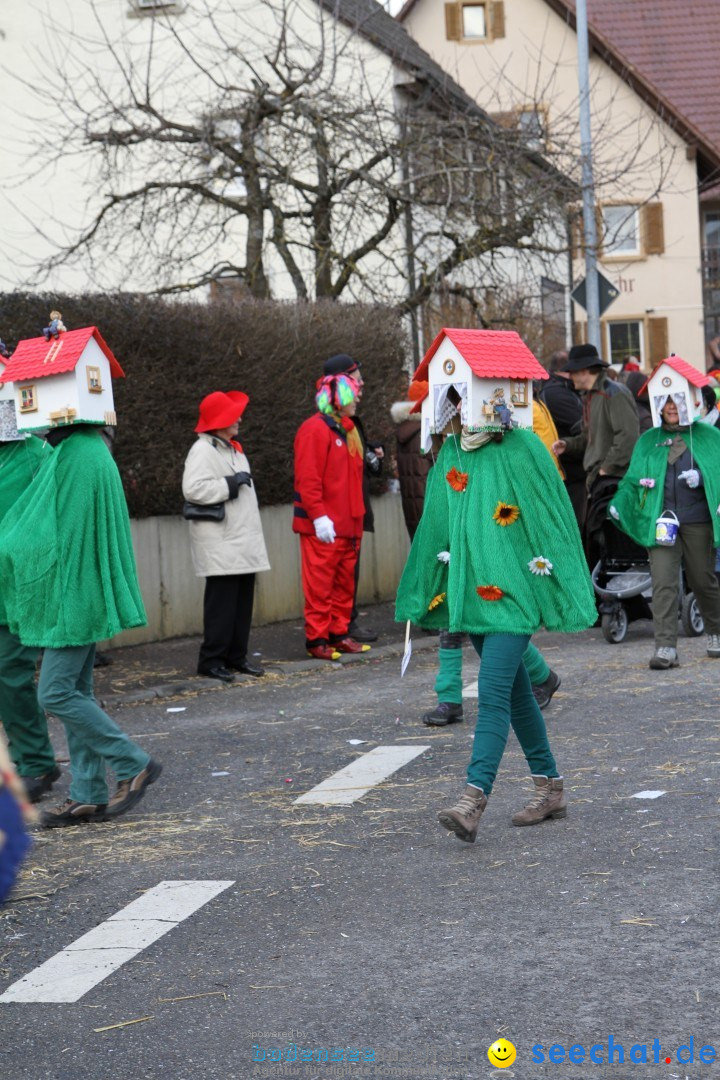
[(102, 660), (246, 668), (361, 633), (446, 712), (218, 672), (37, 786), (544, 692), (72, 813)]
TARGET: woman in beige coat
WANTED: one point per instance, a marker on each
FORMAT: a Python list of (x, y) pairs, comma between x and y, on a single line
[(228, 552)]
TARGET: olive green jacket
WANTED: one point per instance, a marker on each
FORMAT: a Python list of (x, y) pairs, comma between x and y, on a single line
[(610, 429)]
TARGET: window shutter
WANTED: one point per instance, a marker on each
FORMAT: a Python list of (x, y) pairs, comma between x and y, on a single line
[(497, 19), (658, 340), (579, 329), (654, 231), (453, 22), (577, 247)]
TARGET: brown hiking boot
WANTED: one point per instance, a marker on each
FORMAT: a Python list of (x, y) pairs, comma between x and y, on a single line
[(132, 790), (464, 817), (72, 813), (547, 802)]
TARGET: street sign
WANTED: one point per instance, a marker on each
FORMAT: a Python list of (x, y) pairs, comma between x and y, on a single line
[(608, 293)]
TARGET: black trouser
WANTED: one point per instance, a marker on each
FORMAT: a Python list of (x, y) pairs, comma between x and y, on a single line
[(227, 614)]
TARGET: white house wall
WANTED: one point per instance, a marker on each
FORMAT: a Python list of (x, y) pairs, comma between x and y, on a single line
[(59, 199)]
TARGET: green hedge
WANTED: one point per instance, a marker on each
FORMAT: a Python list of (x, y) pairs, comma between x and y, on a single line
[(173, 353)]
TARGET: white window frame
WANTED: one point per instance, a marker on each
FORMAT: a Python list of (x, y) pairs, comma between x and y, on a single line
[(641, 351), (475, 37), (610, 249)]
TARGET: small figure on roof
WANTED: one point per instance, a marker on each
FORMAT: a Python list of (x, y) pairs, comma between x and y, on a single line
[(56, 327), (4, 351)]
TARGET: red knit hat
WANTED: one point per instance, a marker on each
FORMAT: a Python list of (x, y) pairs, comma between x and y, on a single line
[(219, 410)]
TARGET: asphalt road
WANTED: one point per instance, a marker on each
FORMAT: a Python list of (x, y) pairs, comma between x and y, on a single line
[(368, 926)]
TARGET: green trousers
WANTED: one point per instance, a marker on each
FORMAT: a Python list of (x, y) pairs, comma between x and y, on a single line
[(24, 721), (94, 740), (694, 549), (448, 682), (505, 698)]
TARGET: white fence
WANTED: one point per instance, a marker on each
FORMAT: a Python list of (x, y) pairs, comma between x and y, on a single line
[(173, 595)]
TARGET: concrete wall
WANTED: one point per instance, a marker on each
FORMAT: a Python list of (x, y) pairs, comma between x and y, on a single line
[(173, 595)]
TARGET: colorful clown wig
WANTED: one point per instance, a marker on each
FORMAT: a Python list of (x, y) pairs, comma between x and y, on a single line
[(334, 392)]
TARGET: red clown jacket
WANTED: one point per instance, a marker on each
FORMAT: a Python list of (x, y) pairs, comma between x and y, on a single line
[(328, 479)]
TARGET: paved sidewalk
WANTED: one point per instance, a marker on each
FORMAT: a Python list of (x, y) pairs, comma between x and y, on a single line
[(167, 668)]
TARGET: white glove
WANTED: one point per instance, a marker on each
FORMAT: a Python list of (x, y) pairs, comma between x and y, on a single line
[(444, 556), (613, 513), (324, 530), (691, 478)]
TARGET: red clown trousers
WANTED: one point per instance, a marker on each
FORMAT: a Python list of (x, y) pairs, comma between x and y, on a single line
[(328, 580)]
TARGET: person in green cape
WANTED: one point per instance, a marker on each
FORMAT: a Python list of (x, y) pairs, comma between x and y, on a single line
[(675, 470), (498, 554), (69, 580), (21, 458)]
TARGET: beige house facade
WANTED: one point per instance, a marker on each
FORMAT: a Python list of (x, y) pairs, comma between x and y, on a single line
[(518, 60)]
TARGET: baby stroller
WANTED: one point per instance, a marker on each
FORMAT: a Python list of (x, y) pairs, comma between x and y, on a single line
[(621, 578)]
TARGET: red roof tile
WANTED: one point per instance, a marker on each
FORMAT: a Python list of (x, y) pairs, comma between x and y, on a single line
[(693, 376), (35, 357), (491, 354)]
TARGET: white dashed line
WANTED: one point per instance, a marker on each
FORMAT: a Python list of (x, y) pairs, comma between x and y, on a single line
[(69, 974), (357, 778)]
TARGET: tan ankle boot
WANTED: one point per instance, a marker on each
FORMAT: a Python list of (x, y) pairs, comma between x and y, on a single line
[(463, 818), (548, 801)]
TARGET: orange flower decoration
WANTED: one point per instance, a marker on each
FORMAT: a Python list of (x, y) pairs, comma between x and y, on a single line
[(506, 513), (436, 601), (490, 592), (457, 480)]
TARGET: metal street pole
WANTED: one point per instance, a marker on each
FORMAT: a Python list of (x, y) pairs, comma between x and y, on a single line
[(588, 184)]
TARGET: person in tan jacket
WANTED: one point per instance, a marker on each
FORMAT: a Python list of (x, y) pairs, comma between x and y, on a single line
[(230, 551)]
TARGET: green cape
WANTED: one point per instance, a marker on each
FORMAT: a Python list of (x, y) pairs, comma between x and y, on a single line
[(640, 507), (20, 461), (520, 472), (66, 558)]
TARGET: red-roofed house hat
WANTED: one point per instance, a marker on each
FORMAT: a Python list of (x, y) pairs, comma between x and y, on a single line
[(219, 410)]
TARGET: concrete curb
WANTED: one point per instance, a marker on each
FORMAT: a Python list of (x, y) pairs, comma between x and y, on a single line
[(293, 667)]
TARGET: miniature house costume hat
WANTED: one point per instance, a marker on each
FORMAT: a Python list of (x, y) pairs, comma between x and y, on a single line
[(582, 357), (219, 410), (675, 378), (341, 364), (485, 375), (67, 380)]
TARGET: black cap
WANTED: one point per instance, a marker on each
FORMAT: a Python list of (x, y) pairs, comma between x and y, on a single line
[(582, 357), (341, 364)]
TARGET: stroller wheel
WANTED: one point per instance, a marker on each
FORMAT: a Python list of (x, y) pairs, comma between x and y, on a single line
[(690, 617), (615, 626)]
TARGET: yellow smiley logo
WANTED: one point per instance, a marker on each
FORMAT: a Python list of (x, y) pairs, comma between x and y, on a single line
[(501, 1054)]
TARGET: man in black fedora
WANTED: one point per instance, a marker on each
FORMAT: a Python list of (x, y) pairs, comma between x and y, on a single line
[(609, 430), (342, 364), (610, 426)]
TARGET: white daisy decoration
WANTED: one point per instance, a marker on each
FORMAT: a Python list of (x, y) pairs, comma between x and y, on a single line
[(444, 556), (540, 565)]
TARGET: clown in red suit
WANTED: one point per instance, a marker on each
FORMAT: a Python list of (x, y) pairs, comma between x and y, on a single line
[(328, 515)]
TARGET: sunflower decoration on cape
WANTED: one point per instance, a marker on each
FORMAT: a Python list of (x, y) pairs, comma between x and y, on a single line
[(506, 514), (457, 480), (489, 592), (437, 601)]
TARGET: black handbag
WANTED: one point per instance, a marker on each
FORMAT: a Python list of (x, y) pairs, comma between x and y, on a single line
[(207, 512)]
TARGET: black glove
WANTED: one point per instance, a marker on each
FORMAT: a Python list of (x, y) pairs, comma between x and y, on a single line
[(244, 478)]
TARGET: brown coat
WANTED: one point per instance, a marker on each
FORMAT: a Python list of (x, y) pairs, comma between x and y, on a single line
[(412, 465)]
